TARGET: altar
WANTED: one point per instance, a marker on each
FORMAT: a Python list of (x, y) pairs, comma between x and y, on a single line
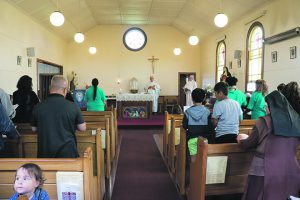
[(132, 106)]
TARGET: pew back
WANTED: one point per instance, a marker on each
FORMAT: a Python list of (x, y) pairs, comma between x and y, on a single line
[(167, 129), (28, 149), (238, 164), (174, 139), (99, 117), (8, 167)]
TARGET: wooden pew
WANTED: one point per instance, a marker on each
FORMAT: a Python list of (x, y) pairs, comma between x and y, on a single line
[(23, 128), (104, 126), (28, 149), (100, 116), (180, 164), (8, 167), (238, 164), (114, 110), (167, 129), (246, 126), (174, 140)]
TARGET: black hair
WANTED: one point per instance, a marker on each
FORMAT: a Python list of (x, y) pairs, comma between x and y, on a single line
[(291, 93), (36, 171), (25, 84), (95, 83), (231, 80), (198, 95), (280, 87), (221, 87)]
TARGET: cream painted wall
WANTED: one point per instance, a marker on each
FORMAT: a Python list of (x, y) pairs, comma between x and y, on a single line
[(18, 32), (282, 15), (114, 61)]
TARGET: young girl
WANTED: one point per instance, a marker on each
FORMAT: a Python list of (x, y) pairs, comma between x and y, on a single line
[(28, 183)]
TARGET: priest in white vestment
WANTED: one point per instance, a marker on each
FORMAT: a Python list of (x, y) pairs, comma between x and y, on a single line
[(154, 89), (190, 85)]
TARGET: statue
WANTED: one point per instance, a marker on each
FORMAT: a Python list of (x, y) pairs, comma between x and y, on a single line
[(72, 78)]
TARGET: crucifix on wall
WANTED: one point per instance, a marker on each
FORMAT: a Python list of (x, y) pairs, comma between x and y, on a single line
[(152, 60)]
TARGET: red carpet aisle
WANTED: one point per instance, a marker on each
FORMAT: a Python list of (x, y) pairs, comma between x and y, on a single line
[(141, 172)]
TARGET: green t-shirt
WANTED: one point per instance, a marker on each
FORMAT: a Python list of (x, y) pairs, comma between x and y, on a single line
[(237, 95), (257, 105), (98, 103)]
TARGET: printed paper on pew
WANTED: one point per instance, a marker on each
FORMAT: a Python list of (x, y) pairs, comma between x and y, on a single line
[(103, 139), (216, 169), (69, 185), (177, 136)]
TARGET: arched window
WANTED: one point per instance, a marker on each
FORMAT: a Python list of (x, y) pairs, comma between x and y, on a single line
[(255, 54), (221, 58)]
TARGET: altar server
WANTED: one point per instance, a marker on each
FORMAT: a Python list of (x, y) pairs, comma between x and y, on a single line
[(190, 85), (154, 89)]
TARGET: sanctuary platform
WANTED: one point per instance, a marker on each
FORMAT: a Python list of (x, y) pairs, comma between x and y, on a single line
[(155, 121)]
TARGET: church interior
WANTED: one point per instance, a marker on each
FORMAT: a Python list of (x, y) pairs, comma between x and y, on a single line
[(171, 40)]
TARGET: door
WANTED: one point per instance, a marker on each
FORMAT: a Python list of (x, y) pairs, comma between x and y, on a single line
[(182, 78), (46, 70)]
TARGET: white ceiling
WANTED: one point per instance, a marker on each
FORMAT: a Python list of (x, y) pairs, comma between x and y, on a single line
[(188, 16)]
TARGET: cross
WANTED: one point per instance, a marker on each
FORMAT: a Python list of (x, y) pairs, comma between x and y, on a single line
[(153, 62)]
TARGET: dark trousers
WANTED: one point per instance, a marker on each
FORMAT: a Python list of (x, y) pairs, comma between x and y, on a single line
[(228, 138)]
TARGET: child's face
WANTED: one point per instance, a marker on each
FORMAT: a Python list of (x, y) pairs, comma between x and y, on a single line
[(25, 183)]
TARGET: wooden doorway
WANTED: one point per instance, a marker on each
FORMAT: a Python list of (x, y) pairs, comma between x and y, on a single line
[(182, 78), (45, 71)]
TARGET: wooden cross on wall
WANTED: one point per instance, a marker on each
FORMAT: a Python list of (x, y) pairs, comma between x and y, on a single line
[(152, 60)]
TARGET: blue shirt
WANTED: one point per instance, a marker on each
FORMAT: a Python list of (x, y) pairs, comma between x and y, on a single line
[(39, 194), (228, 112)]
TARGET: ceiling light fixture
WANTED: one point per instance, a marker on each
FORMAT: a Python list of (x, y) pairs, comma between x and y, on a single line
[(57, 18), (93, 50), (177, 51), (79, 37), (221, 19), (193, 40)]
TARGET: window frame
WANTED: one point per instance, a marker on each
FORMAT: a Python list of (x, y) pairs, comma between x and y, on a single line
[(254, 25), (218, 45)]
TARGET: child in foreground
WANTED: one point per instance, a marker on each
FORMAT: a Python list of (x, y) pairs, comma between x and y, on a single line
[(28, 183)]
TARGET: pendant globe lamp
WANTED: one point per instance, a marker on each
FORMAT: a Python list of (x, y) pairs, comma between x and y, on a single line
[(221, 19), (193, 40), (79, 36), (57, 18), (177, 51), (93, 50)]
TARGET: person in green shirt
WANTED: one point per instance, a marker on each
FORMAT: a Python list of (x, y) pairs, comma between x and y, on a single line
[(95, 97), (234, 93), (257, 103)]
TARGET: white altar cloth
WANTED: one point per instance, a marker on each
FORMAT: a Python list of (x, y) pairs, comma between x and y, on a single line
[(134, 97)]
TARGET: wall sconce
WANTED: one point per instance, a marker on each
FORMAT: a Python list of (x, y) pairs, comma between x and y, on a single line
[(237, 56)]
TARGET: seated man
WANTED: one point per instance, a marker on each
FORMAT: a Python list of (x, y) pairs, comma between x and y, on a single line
[(226, 116), (196, 121), (6, 127), (56, 120)]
